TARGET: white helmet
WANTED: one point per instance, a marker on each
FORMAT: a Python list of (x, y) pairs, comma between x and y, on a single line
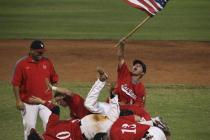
[(156, 134)]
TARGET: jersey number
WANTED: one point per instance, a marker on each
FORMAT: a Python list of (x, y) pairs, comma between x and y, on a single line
[(63, 135), (126, 128)]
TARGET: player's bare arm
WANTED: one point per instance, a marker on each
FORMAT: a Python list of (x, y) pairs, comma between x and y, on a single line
[(19, 103), (120, 53), (60, 90), (36, 100)]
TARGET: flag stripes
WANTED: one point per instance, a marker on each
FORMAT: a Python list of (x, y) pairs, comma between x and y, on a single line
[(151, 7)]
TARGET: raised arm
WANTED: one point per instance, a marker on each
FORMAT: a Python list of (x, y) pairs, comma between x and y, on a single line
[(121, 53), (110, 109), (61, 90), (91, 101)]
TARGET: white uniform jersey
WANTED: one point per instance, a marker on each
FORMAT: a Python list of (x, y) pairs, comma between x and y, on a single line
[(107, 113)]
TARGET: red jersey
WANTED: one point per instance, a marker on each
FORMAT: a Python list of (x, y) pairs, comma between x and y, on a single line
[(125, 128), (31, 76), (128, 92), (61, 129), (76, 105)]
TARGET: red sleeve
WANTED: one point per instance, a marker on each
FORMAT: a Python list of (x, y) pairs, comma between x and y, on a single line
[(17, 75), (53, 75), (122, 70)]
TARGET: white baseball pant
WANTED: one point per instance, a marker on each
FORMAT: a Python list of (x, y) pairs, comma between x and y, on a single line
[(29, 116)]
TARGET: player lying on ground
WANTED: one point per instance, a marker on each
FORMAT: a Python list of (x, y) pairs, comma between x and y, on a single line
[(127, 127), (109, 111), (75, 102), (56, 128), (88, 126), (67, 98)]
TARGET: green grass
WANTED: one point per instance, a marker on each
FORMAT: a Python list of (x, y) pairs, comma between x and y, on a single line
[(101, 19), (186, 109)]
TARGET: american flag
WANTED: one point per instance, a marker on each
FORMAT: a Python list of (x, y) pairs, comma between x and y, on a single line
[(151, 7)]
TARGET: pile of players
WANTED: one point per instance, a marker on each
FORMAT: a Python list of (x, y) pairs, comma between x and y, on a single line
[(121, 117)]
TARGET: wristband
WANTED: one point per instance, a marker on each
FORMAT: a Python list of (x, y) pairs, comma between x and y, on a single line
[(54, 88)]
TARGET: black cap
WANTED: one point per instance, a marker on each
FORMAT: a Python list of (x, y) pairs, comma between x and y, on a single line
[(38, 45)]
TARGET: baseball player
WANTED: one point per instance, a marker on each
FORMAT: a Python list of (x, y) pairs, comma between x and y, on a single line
[(29, 79), (127, 127), (106, 113), (129, 87), (74, 101), (56, 129), (131, 90)]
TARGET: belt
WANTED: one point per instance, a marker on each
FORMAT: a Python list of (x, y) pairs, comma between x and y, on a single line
[(83, 135)]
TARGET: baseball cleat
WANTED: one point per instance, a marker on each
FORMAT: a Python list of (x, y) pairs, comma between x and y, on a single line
[(160, 123)]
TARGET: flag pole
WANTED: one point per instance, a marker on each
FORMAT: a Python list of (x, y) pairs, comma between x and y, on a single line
[(132, 31)]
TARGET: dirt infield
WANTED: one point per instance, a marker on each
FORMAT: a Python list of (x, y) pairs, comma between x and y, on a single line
[(169, 62)]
